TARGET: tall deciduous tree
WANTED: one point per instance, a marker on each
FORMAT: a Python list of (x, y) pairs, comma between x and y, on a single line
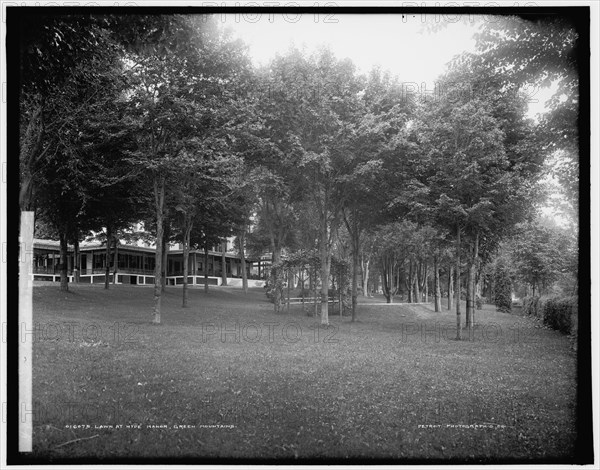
[(378, 138), (183, 77), (71, 69), (482, 165), (307, 124), (322, 137), (541, 254)]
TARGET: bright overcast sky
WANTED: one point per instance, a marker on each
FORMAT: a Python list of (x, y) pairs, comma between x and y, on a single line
[(400, 44), (401, 47)]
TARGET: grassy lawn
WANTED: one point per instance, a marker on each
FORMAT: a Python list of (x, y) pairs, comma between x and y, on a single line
[(393, 385)]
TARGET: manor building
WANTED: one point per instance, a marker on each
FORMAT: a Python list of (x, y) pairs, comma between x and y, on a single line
[(136, 264)]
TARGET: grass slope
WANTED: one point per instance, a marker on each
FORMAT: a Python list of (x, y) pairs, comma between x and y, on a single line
[(393, 385)]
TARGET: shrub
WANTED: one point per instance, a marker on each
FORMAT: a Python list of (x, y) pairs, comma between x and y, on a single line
[(502, 289), (528, 306), (561, 314), (535, 306), (532, 306)]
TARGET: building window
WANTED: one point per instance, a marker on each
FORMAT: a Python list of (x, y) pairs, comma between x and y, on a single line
[(99, 261)]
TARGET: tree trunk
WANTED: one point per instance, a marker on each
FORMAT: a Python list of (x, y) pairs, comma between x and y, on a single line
[(457, 285), (325, 268), (471, 283), (223, 262), (473, 296), (426, 275), (391, 280), (289, 281), (194, 268), (242, 241), (386, 281), (165, 255), (365, 277), (159, 200), (475, 293), (410, 281), (469, 299), (415, 297), (64, 279), (355, 268), (206, 267), (473, 280), (355, 236), (315, 285), (340, 303), (30, 152), (437, 295), (76, 267), (186, 256), (115, 258), (450, 287), (417, 291), (276, 259), (107, 257), (325, 271)]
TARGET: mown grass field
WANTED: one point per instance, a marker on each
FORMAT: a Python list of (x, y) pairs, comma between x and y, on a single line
[(229, 378)]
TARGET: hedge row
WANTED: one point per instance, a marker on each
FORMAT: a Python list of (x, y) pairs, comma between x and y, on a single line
[(534, 306), (502, 288), (559, 313)]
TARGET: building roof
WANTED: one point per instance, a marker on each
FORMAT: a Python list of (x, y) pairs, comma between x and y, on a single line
[(91, 246), (48, 244)]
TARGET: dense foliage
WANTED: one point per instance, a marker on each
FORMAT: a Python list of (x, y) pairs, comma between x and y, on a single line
[(163, 119), (502, 288), (559, 313)]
